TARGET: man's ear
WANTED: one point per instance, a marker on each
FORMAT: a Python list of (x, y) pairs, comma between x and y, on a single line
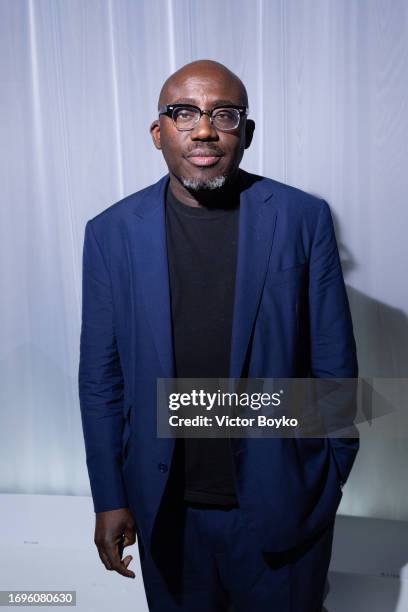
[(249, 132), (155, 133)]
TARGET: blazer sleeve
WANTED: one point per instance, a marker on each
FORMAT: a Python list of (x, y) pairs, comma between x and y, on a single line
[(100, 381), (333, 346)]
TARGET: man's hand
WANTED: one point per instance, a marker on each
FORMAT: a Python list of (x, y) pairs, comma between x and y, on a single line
[(114, 530)]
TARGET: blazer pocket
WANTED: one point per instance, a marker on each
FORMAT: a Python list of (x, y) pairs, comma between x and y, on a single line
[(287, 275)]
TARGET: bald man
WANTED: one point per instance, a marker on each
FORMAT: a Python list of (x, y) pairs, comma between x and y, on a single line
[(212, 273)]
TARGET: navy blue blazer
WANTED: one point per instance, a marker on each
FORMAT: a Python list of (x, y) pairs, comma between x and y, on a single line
[(291, 318)]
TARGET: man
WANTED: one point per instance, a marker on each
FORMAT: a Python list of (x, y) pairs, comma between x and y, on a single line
[(212, 272)]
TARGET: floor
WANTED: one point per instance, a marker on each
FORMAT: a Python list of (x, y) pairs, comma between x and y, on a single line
[(46, 543)]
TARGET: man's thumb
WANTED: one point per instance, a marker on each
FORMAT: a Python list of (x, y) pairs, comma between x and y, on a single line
[(130, 537)]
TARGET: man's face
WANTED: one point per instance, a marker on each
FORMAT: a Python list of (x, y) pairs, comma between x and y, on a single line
[(204, 157)]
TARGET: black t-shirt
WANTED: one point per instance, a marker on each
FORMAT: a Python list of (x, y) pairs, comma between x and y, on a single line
[(202, 250)]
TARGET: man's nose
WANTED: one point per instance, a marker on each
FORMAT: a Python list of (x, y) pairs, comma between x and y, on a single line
[(204, 130)]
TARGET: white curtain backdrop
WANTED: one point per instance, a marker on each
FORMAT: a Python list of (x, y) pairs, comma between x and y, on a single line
[(327, 83)]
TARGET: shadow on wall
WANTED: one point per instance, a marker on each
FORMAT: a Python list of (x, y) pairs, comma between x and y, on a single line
[(374, 487), (381, 330)]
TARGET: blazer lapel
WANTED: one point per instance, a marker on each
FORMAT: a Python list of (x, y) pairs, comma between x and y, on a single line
[(151, 279), (147, 234), (257, 220)]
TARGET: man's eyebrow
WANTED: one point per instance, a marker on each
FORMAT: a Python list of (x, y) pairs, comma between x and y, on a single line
[(214, 103)]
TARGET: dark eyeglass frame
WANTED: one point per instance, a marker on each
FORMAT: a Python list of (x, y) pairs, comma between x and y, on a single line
[(168, 109)]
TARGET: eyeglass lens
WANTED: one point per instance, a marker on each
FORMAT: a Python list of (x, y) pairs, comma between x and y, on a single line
[(222, 118)]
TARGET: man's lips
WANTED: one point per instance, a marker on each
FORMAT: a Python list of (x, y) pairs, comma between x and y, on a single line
[(201, 158)]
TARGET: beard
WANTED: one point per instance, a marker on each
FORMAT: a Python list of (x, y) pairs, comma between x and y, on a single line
[(197, 184)]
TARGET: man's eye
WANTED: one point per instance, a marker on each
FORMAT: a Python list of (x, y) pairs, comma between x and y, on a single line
[(185, 114), (225, 115)]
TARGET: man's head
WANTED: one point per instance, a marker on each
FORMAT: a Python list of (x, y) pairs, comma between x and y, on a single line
[(204, 157)]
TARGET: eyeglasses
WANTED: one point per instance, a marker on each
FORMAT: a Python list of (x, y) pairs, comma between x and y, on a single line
[(186, 116)]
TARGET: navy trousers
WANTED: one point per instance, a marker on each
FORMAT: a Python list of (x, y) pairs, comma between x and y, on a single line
[(203, 560)]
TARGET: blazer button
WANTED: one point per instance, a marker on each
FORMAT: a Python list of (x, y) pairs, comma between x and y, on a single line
[(162, 467)]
